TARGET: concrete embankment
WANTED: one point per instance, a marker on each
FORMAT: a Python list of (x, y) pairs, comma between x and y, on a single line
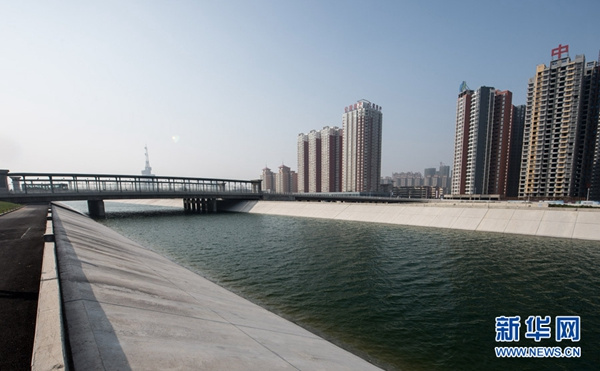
[(503, 217), (126, 307)]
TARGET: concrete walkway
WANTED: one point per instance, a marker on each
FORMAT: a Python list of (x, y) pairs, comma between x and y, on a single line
[(129, 308), (21, 246)]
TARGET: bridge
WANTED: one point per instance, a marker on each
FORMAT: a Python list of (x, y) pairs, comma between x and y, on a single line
[(198, 194)]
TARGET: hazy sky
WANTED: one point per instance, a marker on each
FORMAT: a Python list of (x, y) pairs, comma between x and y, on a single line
[(222, 88)]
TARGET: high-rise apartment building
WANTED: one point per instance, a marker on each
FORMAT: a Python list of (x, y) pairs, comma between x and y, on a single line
[(484, 128), (561, 124), (444, 170), (407, 179), (320, 160), (593, 74), (303, 165), (497, 164), (361, 153), (429, 172), (482, 106), (268, 180), (461, 140), (343, 160), (589, 133), (331, 159), (314, 161), (286, 180), (515, 153), (436, 178)]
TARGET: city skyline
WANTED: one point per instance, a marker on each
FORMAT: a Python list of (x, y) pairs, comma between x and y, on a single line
[(220, 89)]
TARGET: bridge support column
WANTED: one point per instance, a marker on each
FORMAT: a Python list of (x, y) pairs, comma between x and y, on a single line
[(212, 205), (96, 208), (200, 205), (3, 181)]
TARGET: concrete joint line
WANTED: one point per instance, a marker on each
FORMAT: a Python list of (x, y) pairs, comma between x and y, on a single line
[(264, 346), (482, 218), (340, 212)]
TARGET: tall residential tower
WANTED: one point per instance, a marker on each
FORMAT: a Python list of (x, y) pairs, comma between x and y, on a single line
[(482, 143), (361, 153), (331, 159), (320, 160), (561, 124), (303, 165)]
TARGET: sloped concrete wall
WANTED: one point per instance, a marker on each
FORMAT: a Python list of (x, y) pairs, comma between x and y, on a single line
[(529, 219), (128, 308)]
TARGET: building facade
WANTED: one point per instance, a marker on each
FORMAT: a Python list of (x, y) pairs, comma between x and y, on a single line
[(286, 180), (320, 160), (497, 163), (588, 154), (314, 161), (482, 108), (361, 147), (515, 151), (303, 165), (482, 142), (461, 140), (268, 180), (331, 159), (407, 179), (561, 124)]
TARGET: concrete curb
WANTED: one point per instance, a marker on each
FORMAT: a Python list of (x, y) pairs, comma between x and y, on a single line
[(49, 342)]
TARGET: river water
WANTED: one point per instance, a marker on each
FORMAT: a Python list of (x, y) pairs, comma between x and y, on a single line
[(406, 298)]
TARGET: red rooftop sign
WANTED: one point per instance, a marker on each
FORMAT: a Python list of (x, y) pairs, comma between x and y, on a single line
[(558, 52)]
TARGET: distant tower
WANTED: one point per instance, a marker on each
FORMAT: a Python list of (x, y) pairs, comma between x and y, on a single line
[(303, 166), (148, 169), (268, 180), (361, 159)]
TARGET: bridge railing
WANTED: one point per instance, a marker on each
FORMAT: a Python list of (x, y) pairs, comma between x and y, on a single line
[(44, 183)]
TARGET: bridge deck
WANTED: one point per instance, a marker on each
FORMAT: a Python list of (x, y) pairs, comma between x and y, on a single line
[(47, 187), (43, 187)]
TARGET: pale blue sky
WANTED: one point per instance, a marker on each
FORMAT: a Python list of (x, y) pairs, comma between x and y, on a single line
[(222, 88)]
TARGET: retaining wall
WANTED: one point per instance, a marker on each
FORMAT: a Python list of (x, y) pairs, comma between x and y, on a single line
[(530, 219), (128, 308)]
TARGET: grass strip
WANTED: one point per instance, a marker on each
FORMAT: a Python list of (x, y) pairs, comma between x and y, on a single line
[(7, 206)]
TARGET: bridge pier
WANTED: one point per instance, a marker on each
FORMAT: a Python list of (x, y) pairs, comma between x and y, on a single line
[(96, 208), (200, 205), (3, 181), (212, 205)]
